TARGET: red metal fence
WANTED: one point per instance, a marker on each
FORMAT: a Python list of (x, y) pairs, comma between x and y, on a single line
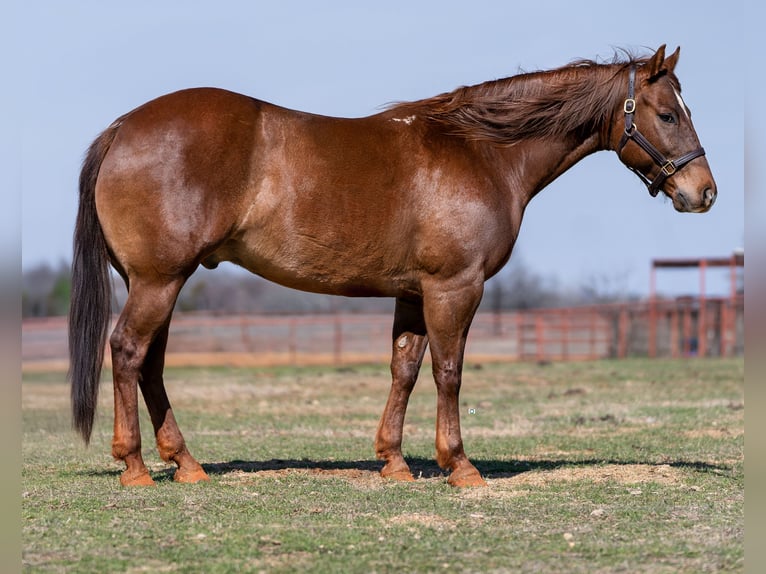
[(658, 328)]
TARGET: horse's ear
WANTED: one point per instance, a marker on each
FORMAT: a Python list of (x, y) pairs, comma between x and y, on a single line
[(654, 64), (670, 62)]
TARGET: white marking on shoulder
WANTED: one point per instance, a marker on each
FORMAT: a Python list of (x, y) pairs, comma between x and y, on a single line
[(681, 103), (408, 120)]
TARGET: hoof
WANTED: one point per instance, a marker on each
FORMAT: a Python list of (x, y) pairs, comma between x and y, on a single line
[(466, 478), (400, 472), (191, 476), (399, 475), (140, 479)]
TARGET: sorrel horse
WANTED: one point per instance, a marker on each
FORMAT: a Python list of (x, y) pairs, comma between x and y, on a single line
[(421, 202)]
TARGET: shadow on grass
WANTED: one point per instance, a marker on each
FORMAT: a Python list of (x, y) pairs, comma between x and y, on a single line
[(427, 468), (420, 467)]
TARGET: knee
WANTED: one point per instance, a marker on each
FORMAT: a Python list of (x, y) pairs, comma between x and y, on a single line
[(447, 375), (447, 379), (405, 372), (405, 360)]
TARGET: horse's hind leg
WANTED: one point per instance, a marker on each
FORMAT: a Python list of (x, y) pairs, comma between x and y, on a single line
[(409, 344), (170, 441), (146, 313)]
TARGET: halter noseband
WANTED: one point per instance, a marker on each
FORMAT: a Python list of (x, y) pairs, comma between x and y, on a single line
[(667, 167)]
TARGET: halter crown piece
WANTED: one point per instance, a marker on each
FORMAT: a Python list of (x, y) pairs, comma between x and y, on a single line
[(667, 166)]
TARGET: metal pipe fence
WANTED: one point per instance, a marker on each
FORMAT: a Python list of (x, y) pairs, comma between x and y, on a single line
[(654, 328)]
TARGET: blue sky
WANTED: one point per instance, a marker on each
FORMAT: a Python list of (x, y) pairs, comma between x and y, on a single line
[(79, 65)]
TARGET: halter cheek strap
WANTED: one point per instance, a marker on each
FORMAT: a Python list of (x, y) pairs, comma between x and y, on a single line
[(667, 167)]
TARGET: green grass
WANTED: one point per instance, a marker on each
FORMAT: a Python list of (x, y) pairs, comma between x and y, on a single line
[(610, 466)]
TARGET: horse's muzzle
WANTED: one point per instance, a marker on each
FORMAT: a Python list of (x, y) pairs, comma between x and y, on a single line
[(684, 204)]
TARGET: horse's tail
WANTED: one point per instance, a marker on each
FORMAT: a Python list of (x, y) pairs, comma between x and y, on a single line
[(91, 298)]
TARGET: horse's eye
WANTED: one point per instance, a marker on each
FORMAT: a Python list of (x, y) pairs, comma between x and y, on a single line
[(667, 118)]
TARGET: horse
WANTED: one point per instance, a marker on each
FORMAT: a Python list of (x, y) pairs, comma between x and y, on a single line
[(421, 202)]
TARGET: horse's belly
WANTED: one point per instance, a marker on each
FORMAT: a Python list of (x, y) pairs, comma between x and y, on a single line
[(308, 265)]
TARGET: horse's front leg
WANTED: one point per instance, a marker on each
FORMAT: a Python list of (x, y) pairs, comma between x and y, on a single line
[(448, 316), (409, 344)]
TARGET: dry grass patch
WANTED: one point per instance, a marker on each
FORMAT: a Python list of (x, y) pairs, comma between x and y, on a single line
[(528, 483), (358, 478), (620, 473), (424, 519), (716, 433)]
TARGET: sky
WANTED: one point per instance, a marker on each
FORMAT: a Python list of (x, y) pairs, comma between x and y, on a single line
[(79, 65)]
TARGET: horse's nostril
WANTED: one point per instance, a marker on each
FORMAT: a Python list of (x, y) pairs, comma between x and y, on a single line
[(709, 195)]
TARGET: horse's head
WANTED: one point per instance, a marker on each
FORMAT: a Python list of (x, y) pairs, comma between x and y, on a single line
[(658, 140)]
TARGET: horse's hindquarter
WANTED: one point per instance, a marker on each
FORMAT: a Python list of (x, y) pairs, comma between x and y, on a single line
[(172, 185)]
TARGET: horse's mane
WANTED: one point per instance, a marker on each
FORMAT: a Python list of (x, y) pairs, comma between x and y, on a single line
[(577, 97)]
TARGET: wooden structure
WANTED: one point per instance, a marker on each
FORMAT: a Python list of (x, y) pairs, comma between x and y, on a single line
[(695, 321)]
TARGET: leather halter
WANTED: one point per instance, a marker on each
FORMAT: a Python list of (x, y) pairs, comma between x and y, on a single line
[(667, 167)]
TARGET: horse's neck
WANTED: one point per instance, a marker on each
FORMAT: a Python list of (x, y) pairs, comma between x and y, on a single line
[(533, 164)]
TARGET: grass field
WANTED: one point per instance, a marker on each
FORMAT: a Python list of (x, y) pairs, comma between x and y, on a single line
[(610, 466)]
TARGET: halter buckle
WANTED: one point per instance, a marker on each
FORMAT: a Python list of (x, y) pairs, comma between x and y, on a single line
[(629, 107), (669, 168)]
